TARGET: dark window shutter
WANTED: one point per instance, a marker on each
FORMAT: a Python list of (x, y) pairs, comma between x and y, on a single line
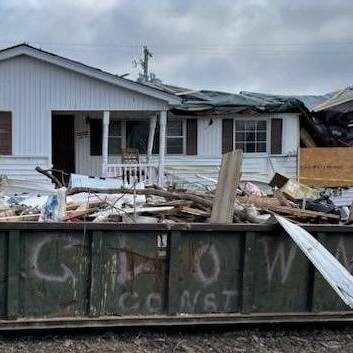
[(276, 136), (191, 136), (96, 131), (227, 135), (5, 133)]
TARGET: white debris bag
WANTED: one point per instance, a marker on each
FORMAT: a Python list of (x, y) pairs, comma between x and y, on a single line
[(331, 269)]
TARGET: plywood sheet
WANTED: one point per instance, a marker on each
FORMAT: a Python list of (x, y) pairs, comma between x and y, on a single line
[(326, 166)]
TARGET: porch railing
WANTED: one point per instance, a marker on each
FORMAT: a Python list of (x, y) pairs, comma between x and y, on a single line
[(133, 173)]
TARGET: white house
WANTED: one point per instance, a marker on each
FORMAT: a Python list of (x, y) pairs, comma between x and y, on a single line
[(59, 113)]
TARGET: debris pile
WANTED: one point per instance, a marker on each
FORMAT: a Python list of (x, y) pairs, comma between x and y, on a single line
[(89, 199)]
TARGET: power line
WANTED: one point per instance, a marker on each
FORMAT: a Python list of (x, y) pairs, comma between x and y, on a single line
[(210, 50), (186, 46)]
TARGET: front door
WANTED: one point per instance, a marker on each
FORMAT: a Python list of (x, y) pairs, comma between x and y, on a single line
[(63, 145)]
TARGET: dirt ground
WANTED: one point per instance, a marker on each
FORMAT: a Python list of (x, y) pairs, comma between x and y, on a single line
[(275, 340)]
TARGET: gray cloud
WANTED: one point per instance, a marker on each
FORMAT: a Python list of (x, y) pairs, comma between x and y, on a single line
[(275, 46)]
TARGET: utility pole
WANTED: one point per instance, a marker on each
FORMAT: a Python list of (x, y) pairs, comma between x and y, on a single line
[(144, 63), (144, 75)]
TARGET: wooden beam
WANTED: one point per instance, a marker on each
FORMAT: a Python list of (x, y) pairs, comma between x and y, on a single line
[(198, 200), (228, 180)]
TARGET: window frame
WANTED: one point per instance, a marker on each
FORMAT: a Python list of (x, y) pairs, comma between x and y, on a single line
[(183, 137), (268, 135), (122, 136)]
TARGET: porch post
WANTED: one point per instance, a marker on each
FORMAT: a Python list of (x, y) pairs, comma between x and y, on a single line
[(162, 146), (106, 118), (151, 133)]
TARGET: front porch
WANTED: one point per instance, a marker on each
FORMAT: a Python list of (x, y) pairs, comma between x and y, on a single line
[(95, 142)]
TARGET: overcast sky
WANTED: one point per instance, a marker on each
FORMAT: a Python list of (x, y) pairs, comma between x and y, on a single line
[(271, 46)]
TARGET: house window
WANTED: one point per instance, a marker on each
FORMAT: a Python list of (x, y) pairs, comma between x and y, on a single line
[(251, 135), (134, 134), (114, 141), (175, 136)]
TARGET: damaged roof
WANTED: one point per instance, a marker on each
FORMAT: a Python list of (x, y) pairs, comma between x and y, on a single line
[(197, 102), (335, 99)]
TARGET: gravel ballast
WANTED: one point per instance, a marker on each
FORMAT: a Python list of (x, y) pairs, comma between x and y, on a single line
[(254, 340)]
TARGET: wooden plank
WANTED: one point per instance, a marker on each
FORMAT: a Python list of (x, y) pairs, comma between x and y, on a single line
[(326, 166), (300, 213), (229, 176), (13, 283), (23, 218), (192, 211)]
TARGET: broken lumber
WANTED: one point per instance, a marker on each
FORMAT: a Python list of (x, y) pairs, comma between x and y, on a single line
[(78, 213), (228, 180), (22, 218), (193, 211), (302, 214), (151, 191), (52, 177)]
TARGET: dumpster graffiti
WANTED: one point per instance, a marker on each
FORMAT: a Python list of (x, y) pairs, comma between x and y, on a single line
[(66, 272), (132, 302), (209, 302), (285, 260), (209, 277)]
